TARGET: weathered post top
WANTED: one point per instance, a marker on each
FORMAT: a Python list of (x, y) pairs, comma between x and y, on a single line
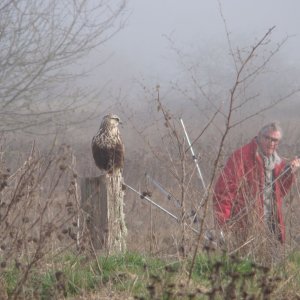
[(102, 200)]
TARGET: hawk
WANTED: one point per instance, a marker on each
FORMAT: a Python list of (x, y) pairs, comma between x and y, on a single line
[(107, 145)]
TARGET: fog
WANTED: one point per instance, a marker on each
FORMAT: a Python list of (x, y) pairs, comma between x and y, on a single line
[(171, 43), (186, 48), (224, 67), (142, 48)]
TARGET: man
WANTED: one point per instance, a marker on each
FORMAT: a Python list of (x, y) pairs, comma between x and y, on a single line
[(252, 185)]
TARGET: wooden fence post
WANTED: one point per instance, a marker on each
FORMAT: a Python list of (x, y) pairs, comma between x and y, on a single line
[(102, 200)]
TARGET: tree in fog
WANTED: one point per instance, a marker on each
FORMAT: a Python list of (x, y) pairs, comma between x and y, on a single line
[(40, 41)]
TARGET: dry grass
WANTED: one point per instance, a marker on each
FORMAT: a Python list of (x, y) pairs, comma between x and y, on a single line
[(39, 211)]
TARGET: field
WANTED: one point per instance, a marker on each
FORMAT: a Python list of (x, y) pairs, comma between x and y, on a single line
[(44, 254), (135, 276), (178, 130)]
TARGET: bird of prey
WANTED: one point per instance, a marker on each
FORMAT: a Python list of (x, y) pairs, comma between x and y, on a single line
[(107, 146)]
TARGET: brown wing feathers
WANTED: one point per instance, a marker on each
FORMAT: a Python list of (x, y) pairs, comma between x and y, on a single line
[(107, 145)]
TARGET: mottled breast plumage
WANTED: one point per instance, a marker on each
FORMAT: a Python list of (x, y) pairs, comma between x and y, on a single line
[(107, 145)]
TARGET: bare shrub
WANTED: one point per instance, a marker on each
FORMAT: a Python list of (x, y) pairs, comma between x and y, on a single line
[(215, 134), (38, 212), (40, 44)]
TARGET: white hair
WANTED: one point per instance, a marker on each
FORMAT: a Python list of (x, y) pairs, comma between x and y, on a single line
[(274, 126)]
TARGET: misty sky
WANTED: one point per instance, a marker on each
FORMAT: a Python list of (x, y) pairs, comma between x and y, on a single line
[(142, 48)]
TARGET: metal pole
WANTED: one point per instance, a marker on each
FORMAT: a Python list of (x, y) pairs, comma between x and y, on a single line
[(288, 169), (158, 206), (193, 155), (152, 202), (160, 187)]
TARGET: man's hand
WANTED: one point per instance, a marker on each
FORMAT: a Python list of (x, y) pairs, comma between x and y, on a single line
[(295, 164)]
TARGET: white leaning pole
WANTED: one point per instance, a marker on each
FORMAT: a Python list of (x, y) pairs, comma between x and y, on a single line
[(158, 206), (207, 234), (168, 194), (193, 155)]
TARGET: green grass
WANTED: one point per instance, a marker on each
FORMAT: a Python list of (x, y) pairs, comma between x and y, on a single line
[(83, 274), (146, 277), (10, 278)]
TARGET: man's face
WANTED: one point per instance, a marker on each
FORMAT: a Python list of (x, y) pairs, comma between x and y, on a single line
[(269, 142)]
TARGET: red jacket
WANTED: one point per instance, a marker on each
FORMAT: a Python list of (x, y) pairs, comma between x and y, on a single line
[(242, 180)]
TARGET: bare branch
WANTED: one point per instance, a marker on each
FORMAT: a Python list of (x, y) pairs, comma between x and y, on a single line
[(39, 43)]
